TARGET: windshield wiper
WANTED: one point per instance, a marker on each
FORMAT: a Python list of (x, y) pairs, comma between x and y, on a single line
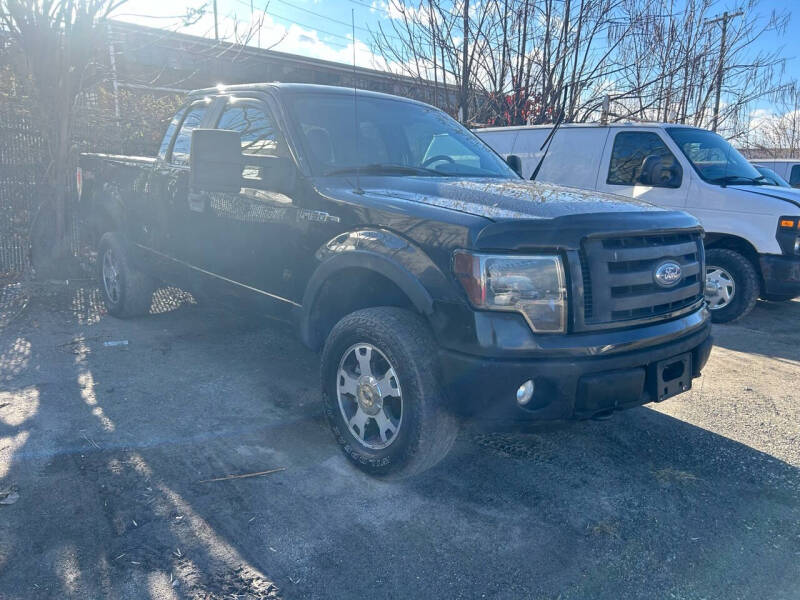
[(760, 180), (386, 169)]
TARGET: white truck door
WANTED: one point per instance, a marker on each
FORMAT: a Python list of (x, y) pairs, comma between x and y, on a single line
[(640, 163)]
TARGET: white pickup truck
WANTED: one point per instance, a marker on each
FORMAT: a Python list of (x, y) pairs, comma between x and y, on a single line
[(752, 229)]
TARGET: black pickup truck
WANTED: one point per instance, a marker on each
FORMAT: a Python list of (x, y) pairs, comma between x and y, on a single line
[(437, 283)]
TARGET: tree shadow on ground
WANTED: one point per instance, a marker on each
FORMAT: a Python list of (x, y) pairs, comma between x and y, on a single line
[(121, 439)]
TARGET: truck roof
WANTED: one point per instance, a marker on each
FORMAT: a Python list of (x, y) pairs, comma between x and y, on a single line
[(615, 125), (305, 88)]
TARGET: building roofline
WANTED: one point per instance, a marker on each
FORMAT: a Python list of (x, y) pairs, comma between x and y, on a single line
[(274, 54)]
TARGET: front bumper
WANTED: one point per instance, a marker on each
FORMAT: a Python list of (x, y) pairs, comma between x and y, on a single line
[(569, 387), (781, 274)]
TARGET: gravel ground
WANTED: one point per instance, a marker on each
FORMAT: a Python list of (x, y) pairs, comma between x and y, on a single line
[(106, 450)]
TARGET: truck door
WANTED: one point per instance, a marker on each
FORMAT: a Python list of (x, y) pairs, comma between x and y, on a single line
[(640, 165), (172, 226), (252, 236)]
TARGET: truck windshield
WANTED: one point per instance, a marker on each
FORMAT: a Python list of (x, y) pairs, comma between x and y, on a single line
[(395, 138), (714, 159)]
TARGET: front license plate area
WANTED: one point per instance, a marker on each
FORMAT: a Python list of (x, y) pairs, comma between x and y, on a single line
[(673, 376)]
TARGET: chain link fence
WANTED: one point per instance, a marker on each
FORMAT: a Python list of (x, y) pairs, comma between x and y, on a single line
[(24, 211)]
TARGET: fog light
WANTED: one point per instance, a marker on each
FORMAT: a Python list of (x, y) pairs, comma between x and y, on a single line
[(525, 393)]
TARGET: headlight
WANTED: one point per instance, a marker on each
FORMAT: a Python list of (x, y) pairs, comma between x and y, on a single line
[(531, 285), (788, 234)]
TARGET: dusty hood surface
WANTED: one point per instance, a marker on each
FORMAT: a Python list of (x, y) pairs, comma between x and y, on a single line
[(496, 199)]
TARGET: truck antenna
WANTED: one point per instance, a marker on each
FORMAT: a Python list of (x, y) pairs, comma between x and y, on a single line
[(549, 139), (358, 189)]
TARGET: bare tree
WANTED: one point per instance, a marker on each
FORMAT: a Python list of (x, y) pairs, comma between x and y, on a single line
[(59, 41), (535, 61), (777, 134)]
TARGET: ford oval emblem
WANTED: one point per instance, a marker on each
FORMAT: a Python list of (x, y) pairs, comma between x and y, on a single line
[(667, 274)]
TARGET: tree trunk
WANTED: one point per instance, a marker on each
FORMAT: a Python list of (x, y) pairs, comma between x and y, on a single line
[(465, 67)]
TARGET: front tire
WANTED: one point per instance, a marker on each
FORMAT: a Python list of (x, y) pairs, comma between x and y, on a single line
[(381, 393), (732, 285), (777, 297), (127, 292)]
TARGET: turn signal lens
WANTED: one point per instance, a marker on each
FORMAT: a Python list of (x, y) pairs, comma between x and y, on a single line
[(788, 223)]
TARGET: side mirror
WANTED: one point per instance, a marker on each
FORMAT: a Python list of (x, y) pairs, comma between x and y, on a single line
[(215, 161), (515, 162)]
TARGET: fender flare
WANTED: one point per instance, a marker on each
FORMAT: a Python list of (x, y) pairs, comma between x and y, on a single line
[(379, 251)]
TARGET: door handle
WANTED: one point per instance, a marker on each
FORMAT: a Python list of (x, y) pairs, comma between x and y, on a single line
[(197, 201)]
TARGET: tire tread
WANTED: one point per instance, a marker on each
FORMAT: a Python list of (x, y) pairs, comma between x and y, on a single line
[(436, 428), (748, 289)]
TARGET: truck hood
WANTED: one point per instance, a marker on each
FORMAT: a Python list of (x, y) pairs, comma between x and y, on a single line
[(790, 195), (496, 199)]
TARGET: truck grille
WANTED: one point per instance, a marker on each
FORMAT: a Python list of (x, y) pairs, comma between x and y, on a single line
[(618, 276)]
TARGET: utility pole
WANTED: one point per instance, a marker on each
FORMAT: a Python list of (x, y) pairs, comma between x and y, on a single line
[(726, 16), (216, 22)]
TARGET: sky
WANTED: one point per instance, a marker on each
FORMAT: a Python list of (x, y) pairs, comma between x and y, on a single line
[(322, 28)]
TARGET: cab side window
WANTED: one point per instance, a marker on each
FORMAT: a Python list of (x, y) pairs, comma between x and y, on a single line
[(642, 158), (183, 142), (794, 176), (259, 136)]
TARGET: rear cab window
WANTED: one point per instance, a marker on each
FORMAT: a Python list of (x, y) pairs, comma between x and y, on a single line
[(183, 141), (642, 158), (170, 133)]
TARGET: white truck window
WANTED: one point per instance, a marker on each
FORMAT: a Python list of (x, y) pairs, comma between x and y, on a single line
[(642, 158)]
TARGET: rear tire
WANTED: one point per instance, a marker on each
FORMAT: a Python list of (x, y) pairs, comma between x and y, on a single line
[(386, 356), (127, 292), (732, 285)]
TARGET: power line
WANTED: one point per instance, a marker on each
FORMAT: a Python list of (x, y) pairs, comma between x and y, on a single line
[(369, 6), (321, 16), (305, 25)]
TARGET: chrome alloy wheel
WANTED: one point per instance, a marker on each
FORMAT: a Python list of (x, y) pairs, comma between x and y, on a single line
[(720, 287), (369, 396), (111, 280)]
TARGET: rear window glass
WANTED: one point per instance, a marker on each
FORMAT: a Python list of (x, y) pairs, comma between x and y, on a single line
[(170, 133), (180, 150)]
